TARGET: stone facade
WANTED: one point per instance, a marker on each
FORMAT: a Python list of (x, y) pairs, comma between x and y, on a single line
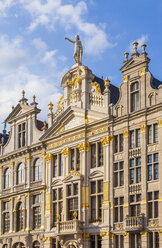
[(91, 176)]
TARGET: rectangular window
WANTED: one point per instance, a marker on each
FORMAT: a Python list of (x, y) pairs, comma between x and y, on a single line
[(135, 240), (57, 203), (21, 135), (153, 167), (119, 174), (55, 166), (95, 241), (135, 170), (152, 207), (152, 131), (61, 165), (36, 211), (134, 97), (153, 240), (96, 155), (135, 205), (119, 241), (96, 200), (75, 159), (118, 209), (72, 200), (6, 217), (135, 138), (118, 143)]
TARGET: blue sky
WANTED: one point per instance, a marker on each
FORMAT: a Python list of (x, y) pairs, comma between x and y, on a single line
[(34, 54)]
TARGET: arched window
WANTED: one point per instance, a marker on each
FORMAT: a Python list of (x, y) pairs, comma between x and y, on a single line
[(37, 170), (36, 244), (135, 105), (21, 174), (19, 245), (5, 246), (7, 178), (20, 217)]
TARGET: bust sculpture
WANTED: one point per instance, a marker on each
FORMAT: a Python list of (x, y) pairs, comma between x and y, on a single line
[(78, 49)]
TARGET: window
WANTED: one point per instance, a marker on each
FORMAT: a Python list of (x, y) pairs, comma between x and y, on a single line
[(135, 138), (118, 209), (152, 209), (5, 246), (21, 135), (57, 202), (152, 133), (72, 200), (75, 159), (135, 240), (58, 165), (7, 178), (135, 170), (96, 200), (37, 172), (96, 155), (21, 173), (6, 217), (20, 217), (119, 241), (55, 166), (95, 241), (119, 174), (153, 167), (135, 206), (118, 143), (36, 211), (153, 240), (134, 89), (36, 244)]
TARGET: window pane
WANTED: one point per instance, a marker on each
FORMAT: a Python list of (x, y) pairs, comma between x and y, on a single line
[(156, 171), (149, 134), (72, 159), (93, 187), (55, 164), (155, 133), (100, 154), (121, 142), (93, 155), (149, 172), (93, 208)]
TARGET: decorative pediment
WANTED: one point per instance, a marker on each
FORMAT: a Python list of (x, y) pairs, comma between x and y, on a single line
[(135, 61), (56, 182), (96, 173), (72, 176)]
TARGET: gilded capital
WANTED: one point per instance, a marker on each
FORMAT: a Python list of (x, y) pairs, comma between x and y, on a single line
[(84, 147), (106, 140), (11, 164), (126, 133), (143, 233), (126, 234), (125, 78), (65, 151), (28, 158), (48, 157), (86, 235), (143, 128), (142, 71), (159, 123)]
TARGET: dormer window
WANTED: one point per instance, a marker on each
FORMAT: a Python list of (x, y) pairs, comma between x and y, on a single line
[(21, 135), (134, 97)]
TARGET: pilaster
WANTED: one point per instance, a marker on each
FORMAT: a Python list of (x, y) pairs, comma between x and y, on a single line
[(29, 213), (126, 173), (28, 170), (12, 175)]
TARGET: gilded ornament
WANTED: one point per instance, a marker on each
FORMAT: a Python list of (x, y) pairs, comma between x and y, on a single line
[(28, 158), (143, 128), (75, 215), (160, 231), (119, 226), (84, 147), (65, 151), (107, 83), (76, 80), (106, 140), (59, 102), (142, 71), (58, 217), (126, 234), (48, 157), (50, 106), (85, 69), (143, 233), (98, 89), (125, 78), (86, 235), (153, 223), (12, 164)]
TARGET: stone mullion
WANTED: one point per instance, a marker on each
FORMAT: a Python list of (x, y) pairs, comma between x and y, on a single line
[(126, 183), (43, 169), (12, 175), (42, 209), (11, 215), (48, 212), (29, 213), (1, 218), (143, 169)]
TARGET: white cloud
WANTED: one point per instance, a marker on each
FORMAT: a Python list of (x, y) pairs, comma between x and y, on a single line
[(141, 40), (4, 5), (70, 16)]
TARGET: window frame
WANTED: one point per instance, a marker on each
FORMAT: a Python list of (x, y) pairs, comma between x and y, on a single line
[(96, 156), (21, 130), (98, 196), (134, 96)]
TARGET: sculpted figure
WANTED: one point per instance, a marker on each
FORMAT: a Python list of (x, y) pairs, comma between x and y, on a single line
[(78, 49)]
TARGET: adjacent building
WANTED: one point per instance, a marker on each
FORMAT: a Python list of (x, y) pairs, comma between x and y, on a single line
[(91, 176)]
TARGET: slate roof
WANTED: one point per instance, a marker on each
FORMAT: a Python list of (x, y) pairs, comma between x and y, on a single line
[(155, 82), (114, 91)]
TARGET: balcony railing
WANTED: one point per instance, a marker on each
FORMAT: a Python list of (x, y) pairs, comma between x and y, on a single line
[(135, 152), (69, 226), (135, 223), (134, 188)]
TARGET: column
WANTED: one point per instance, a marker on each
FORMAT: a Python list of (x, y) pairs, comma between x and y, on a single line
[(47, 242), (11, 215), (106, 235), (12, 175), (29, 214), (84, 170), (144, 239), (143, 169), (65, 153), (126, 183), (43, 209), (43, 168), (28, 170), (48, 213)]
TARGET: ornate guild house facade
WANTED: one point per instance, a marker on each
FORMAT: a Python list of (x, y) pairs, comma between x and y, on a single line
[(90, 177)]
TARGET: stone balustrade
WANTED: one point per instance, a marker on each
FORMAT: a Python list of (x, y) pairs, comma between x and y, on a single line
[(134, 223), (69, 226), (97, 100)]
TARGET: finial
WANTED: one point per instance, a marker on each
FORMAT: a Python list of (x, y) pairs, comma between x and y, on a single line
[(23, 94), (13, 107), (34, 98), (135, 46), (126, 54), (50, 106), (106, 83), (144, 47)]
